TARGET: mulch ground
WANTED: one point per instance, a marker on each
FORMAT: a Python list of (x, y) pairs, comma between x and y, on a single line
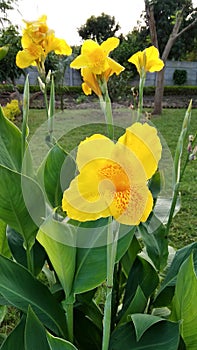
[(72, 102)]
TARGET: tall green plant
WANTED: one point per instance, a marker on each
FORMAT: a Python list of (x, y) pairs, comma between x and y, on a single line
[(104, 282)]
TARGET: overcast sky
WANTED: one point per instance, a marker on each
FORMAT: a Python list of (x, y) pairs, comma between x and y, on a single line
[(66, 16)]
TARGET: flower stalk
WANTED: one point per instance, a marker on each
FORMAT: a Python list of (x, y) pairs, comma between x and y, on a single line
[(105, 104), (112, 240), (141, 95)]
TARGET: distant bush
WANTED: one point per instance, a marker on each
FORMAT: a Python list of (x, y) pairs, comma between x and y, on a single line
[(180, 76), (12, 110)]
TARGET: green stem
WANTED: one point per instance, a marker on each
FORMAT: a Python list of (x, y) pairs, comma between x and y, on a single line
[(25, 116), (69, 315), (141, 91), (105, 103), (112, 240), (46, 102), (172, 208)]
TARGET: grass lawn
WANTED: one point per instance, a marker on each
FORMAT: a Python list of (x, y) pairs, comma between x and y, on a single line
[(72, 126)]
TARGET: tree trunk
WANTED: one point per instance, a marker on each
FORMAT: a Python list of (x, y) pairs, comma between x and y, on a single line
[(159, 91)]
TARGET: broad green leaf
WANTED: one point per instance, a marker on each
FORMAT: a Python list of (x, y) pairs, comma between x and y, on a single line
[(21, 289), (86, 333), (184, 303), (90, 309), (59, 170), (15, 339), (59, 241), (35, 333), (130, 255), (144, 275), (166, 291), (137, 304), (4, 248), (18, 251), (91, 265), (142, 322), (163, 335), (156, 244), (13, 206), (59, 344), (10, 144)]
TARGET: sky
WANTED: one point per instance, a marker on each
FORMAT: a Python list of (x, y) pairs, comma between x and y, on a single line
[(65, 16)]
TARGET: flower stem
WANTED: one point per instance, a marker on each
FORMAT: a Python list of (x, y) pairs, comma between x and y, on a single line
[(141, 91), (105, 103), (69, 309), (112, 240)]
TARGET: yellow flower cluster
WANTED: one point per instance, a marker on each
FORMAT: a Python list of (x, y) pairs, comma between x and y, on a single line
[(113, 177), (12, 110), (37, 41)]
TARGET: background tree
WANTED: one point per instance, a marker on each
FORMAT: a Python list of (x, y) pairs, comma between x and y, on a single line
[(5, 6), (168, 21), (99, 28), (8, 69)]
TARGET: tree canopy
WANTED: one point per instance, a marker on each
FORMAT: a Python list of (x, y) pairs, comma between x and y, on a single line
[(5, 6), (165, 13), (8, 69), (99, 28)]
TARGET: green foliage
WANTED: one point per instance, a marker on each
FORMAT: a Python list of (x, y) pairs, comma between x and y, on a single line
[(99, 28), (63, 310), (6, 6), (180, 76), (165, 13), (8, 69)]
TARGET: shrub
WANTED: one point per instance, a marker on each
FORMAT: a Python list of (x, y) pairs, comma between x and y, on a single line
[(12, 110), (180, 76)]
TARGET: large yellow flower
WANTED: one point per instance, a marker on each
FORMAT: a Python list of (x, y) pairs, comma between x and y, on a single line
[(147, 60), (95, 64), (37, 41), (113, 178), (37, 30)]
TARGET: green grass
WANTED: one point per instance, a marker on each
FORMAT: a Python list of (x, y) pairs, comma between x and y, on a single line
[(75, 125)]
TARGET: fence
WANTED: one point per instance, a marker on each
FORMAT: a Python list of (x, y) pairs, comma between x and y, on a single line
[(73, 78)]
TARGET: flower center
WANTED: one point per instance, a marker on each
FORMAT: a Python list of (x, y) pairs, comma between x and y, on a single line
[(116, 174)]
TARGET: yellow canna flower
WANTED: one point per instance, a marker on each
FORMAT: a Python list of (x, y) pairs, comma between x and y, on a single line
[(37, 41), (112, 178), (37, 30), (147, 60), (95, 64)]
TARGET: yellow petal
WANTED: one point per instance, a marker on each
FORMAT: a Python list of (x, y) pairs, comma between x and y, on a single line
[(90, 81), (59, 46), (79, 62), (153, 62), (109, 45), (82, 201), (148, 208), (137, 59), (130, 207), (143, 140), (95, 147), (88, 46), (24, 59), (86, 89), (114, 66)]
